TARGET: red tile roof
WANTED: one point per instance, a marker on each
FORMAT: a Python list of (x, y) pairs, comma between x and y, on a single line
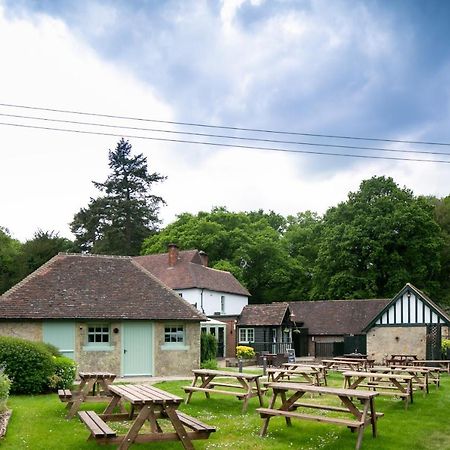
[(188, 272), (75, 286), (336, 317), (263, 314)]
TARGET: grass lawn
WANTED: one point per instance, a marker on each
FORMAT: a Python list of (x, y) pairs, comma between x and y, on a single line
[(38, 423)]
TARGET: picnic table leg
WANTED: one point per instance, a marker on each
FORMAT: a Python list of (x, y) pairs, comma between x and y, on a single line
[(248, 388), (260, 396), (79, 399), (361, 428), (179, 428), (283, 401), (266, 420), (112, 404), (373, 417), (129, 438)]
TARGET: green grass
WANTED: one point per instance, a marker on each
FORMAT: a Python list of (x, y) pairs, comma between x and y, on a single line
[(38, 423)]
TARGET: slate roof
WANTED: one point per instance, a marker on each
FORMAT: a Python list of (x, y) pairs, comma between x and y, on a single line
[(75, 286), (336, 317), (188, 272), (263, 314)]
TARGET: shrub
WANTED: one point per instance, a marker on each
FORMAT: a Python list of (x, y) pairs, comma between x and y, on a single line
[(64, 375), (208, 347), (445, 344), (27, 364), (52, 349), (5, 385), (209, 364), (245, 352)]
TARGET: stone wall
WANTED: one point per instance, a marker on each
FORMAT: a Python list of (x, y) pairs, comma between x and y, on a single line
[(172, 361), (382, 342), (99, 360), (31, 330)]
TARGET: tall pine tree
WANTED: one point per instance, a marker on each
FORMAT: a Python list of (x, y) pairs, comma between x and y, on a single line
[(118, 221)]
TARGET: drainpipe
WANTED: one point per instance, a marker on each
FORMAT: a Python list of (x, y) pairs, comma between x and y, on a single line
[(201, 300)]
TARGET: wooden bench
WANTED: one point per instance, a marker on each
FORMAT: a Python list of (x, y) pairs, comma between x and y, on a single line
[(205, 380), (196, 425), (98, 428), (390, 384), (289, 404), (65, 395)]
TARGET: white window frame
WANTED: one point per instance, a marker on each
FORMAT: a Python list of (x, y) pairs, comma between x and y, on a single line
[(98, 330), (174, 334), (246, 335), (222, 304)]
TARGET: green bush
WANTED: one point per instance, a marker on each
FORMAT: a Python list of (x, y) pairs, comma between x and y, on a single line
[(244, 352), (27, 364), (445, 344), (52, 349), (208, 347), (209, 364), (5, 385), (64, 375)]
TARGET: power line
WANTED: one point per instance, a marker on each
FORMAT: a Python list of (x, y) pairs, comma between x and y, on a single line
[(221, 136), (216, 144), (257, 130)]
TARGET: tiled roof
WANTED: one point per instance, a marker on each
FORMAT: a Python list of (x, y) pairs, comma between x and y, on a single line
[(263, 315), (336, 317), (94, 287), (188, 272)]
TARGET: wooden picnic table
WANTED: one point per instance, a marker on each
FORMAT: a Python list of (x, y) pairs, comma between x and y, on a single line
[(359, 418), (284, 374), (247, 385), (319, 368), (365, 363), (442, 363), (93, 387), (343, 364), (405, 359), (384, 383), (147, 404), (420, 375)]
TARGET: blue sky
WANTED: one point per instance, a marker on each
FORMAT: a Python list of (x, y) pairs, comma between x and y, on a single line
[(373, 68)]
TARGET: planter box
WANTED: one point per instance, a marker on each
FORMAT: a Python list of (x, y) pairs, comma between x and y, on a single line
[(233, 362)]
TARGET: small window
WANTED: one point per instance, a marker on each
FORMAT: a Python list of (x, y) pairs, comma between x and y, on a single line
[(246, 335), (174, 334), (98, 334), (222, 304)]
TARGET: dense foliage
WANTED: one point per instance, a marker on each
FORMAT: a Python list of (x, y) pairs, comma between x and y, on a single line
[(28, 365), (208, 347), (368, 246), (64, 374), (117, 222), (5, 386)]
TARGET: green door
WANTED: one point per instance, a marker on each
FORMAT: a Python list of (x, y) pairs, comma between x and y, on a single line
[(61, 335), (137, 348)]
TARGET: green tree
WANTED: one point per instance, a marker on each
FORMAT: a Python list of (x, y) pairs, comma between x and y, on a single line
[(37, 251), (118, 221), (379, 239), (442, 217), (9, 251), (247, 244)]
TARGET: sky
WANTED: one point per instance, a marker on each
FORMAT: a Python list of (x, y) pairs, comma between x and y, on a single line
[(373, 68)]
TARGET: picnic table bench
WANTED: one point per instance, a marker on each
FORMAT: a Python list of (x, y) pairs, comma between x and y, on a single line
[(420, 375), (94, 387), (306, 375), (247, 385), (343, 364), (319, 368), (365, 362), (442, 363), (147, 404), (391, 384), (404, 359), (359, 418)]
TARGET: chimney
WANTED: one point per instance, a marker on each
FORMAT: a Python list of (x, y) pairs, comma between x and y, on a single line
[(173, 254), (204, 258)]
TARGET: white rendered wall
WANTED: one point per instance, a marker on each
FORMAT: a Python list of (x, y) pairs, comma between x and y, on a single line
[(211, 301)]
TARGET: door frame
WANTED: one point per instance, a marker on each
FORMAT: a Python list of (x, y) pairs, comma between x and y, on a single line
[(122, 344)]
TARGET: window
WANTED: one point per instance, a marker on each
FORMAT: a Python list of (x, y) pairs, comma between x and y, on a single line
[(174, 334), (222, 304), (246, 335), (98, 334)]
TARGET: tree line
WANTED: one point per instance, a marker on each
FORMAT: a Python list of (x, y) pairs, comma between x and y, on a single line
[(368, 246)]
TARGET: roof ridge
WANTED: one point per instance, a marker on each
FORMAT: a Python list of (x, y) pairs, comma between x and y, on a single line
[(94, 255)]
